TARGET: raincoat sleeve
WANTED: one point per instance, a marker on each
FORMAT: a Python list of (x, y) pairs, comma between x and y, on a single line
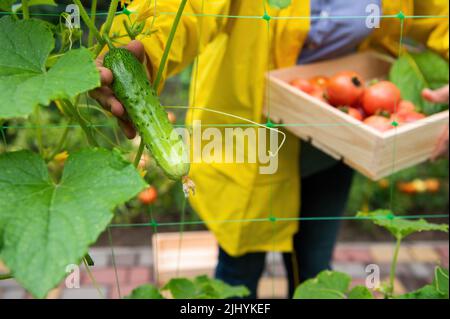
[(200, 23), (432, 31), (429, 26)]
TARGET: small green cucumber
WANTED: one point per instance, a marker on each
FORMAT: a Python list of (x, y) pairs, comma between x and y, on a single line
[(133, 89)]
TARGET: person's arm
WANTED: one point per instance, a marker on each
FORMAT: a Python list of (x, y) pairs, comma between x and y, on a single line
[(193, 34), (432, 31), (430, 28)]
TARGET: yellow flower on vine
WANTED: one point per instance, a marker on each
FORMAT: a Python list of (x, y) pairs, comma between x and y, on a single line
[(144, 12), (61, 157)]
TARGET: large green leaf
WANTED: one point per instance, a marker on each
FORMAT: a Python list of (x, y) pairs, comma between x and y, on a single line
[(413, 72), (400, 227), (145, 292), (203, 287), (24, 80), (279, 4), (45, 226)]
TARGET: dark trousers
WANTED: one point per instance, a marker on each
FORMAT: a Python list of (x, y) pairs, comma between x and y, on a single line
[(323, 194)]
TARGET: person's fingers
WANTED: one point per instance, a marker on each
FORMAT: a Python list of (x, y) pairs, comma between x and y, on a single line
[(106, 75), (99, 61), (127, 128), (105, 96), (137, 48), (102, 94), (436, 96), (108, 101)]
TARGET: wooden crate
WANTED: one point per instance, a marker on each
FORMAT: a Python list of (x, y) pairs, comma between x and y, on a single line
[(196, 256), (372, 153)]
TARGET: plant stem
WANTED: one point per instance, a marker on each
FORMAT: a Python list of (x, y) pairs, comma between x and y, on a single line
[(137, 159), (111, 14), (6, 276), (92, 278), (25, 10), (61, 141), (71, 109), (37, 121), (129, 32), (108, 41), (90, 24), (163, 63), (93, 16), (394, 265)]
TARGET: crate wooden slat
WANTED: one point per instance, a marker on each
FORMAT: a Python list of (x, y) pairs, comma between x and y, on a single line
[(367, 150)]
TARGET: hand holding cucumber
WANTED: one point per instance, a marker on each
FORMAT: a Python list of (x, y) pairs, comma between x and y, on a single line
[(105, 96), (128, 93)]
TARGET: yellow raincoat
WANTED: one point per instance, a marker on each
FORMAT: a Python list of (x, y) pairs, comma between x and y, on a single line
[(234, 55)]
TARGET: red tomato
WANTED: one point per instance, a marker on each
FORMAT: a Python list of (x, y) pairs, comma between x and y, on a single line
[(303, 85), (408, 188), (353, 112), (345, 88), (320, 94), (406, 106), (381, 96), (407, 116), (172, 117), (433, 185), (148, 196), (319, 81), (379, 123)]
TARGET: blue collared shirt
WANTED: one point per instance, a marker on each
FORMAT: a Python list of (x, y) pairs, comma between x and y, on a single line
[(328, 39)]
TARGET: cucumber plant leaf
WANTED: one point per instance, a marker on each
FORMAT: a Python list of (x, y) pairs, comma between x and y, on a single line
[(24, 80), (437, 290), (46, 226), (360, 292), (441, 280), (413, 72), (331, 285), (145, 292), (426, 292), (400, 227), (279, 4), (203, 287), (220, 290)]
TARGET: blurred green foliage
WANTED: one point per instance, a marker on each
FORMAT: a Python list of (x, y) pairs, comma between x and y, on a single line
[(367, 195)]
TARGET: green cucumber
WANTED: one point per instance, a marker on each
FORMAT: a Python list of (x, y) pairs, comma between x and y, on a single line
[(133, 89)]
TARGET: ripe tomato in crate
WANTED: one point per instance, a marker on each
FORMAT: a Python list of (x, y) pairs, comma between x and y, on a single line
[(371, 152)]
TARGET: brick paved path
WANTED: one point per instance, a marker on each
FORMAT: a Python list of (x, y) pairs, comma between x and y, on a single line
[(134, 267)]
